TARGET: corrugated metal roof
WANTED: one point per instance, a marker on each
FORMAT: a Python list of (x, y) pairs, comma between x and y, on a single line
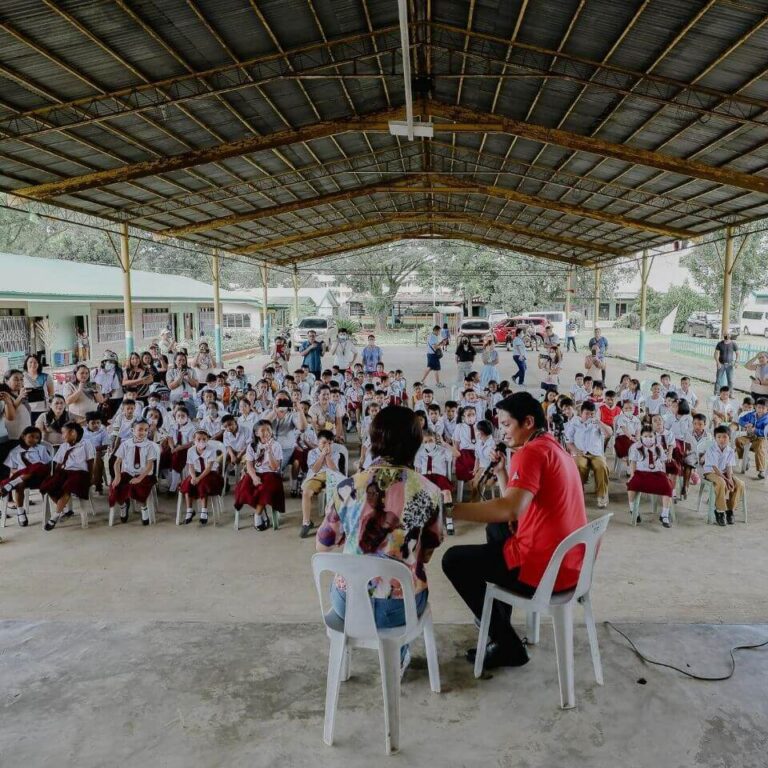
[(90, 86)]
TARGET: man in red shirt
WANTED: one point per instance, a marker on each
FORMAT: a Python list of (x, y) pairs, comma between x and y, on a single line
[(543, 503)]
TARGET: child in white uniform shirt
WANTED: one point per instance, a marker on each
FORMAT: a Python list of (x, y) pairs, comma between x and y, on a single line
[(648, 474), (96, 434), (626, 426), (484, 451), (134, 475), (655, 402), (204, 478), (719, 461), (697, 441), (433, 460), (723, 409), (585, 440), (30, 465), (322, 466), (181, 437)]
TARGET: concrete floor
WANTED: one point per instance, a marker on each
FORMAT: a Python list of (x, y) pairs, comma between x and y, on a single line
[(168, 646)]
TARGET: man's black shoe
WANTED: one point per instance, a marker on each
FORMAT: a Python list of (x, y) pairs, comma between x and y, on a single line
[(729, 516), (720, 518), (496, 656)]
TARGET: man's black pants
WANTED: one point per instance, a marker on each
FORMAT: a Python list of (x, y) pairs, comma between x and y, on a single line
[(468, 567)]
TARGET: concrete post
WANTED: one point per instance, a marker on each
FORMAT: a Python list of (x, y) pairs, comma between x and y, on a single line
[(295, 277), (264, 302), (597, 297), (125, 266), (727, 279), (645, 270), (568, 289), (217, 322)]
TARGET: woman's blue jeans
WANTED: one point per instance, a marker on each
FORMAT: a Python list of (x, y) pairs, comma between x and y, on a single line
[(522, 364), (387, 612)]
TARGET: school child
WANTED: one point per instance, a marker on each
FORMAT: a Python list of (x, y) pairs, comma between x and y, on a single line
[(654, 403), (719, 461), (624, 383), (755, 425), (223, 390), (596, 396), (262, 484), (634, 394), (96, 434), (236, 439), (450, 420), (470, 399), (666, 384), (134, 475), (416, 395), (609, 410), (379, 373), (204, 478), (684, 391), (353, 394), (322, 466), (723, 409), (697, 441), (490, 359), (337, 375), (549, 405), (51, 422), (589, 385), (647, 461), (667, 443), (30, 465), (181, 435), (248, 417), (121, 427), (578, 394), (211, 423), (73, 469), (238, 381), (208, 397), (585, 441), (484, 455), (433, 460), (435, 423), (157, 433), (464, 444), (627, 428), (281, 354)]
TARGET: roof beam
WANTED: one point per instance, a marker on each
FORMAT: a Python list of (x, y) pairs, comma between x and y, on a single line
[(201, 156), (430, 217), (567, 139)]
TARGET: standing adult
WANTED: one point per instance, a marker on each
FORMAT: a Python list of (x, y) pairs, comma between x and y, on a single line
[(155, 363), (389, 511), (519, 355), (312, 352), (109, 377), (551, 339), (181, 380), (465, 358), (17, 420), (167, 342), (371, 355), (598, 351), (726, 359), (82, 395), (543, 503), (39, 386), (344, 350), (759, 367), (435, 350), (7, 413), (570, 334), (202, 362)]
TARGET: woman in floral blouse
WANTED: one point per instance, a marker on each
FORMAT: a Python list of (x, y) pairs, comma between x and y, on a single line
[(389, 511)]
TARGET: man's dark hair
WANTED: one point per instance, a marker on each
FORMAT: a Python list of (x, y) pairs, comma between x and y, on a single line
[(395, 435), (588, 405), (523, 404), (722, 430)]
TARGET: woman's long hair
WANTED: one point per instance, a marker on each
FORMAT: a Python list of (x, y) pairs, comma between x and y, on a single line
[(56, 422)]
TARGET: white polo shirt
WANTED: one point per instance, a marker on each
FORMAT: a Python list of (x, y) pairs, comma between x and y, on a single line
[(77, 456), (723, 458), (586, 436), (148, 451)]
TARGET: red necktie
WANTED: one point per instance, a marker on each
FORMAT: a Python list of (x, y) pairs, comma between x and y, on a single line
[(202, 463), (178, 436), (136, 457), (471, 433), (429, 465), (66, 456), (24, 460)]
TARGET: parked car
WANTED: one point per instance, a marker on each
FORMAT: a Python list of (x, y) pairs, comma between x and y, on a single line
[(754, 322), (476, 329), (496, 316), (556, 318), (324, 327), (502, 332), (708, 325)]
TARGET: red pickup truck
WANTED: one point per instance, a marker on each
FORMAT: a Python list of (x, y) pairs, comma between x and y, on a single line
[(502, 331)]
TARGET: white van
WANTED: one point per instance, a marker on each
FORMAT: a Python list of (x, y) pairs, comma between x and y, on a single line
[(754, 322), (557, 320)]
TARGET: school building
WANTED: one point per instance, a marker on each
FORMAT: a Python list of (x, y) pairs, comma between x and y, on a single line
[(46, 303)]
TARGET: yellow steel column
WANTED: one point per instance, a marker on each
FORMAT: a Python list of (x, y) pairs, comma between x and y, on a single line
[(727, 279), (568, 290), (217, 342), (125, 266), (264, 302), (597, 296), (295, 294), (645, 271)]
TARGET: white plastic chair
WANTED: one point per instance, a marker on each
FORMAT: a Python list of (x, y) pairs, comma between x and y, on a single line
[(708, 486), (216, 502), (559, 606), (85, 508), (358, 630), (4, 507)]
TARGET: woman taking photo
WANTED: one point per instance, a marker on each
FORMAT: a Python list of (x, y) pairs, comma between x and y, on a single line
[(19, 417), (550, 365), (390, 511), (202, 362), (109, 377), (465, 357), (82, 395), (39, 386), (181, 380), (136, 377)]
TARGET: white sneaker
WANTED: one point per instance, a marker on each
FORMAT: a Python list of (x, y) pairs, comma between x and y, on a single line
[(602, 502)]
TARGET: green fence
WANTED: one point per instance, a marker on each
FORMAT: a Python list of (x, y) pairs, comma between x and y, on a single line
[(687, 345)]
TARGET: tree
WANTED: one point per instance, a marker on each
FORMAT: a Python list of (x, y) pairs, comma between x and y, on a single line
[(705, 264), (659, 305)]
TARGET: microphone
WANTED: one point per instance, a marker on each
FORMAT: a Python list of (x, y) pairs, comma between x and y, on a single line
[(501, 449)]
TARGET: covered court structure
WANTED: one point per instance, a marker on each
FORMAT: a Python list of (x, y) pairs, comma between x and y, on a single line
[(584, 132)]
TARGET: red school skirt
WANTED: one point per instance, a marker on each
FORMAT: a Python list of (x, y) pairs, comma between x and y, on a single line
[(126, 491), (211, 485), (269, 492), (74, 482), (301, 455), (33, 475), (179, 460), (465, 464), (653, 483), (621, 446), (441, 481)]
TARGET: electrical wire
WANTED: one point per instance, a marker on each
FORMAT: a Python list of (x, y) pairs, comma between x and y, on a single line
[(692, 675)]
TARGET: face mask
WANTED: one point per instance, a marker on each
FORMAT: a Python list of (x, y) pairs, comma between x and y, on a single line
[(200, 444), (429, 447), (109, 366), (342, 337), (649, 442)]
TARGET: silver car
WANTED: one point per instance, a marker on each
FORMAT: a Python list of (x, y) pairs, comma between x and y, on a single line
[(324, 327)]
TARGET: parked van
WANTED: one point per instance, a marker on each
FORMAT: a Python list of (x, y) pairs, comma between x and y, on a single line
[(556, 319), (754, 322)]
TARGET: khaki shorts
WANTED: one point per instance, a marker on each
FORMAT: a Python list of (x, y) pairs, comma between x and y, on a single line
[(315, 484)]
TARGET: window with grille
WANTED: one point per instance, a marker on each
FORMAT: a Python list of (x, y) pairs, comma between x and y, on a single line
[(237, 320), (206, 321), (14, 331), (154, 320), (110, 325)]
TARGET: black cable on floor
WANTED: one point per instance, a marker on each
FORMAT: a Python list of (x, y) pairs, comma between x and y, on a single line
[(685, 672)]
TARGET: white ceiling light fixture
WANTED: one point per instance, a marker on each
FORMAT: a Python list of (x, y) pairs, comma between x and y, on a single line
[(408, 128)]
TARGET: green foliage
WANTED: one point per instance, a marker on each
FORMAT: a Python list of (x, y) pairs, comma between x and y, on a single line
[(661, 304), (706, 265), (349, 325)]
